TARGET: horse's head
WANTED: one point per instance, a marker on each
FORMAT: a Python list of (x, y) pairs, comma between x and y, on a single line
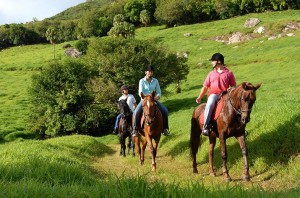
[(124, 108), (149, 108), (246, 98)]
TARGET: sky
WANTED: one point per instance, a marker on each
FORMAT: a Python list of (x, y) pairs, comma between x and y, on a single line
[(22, 11)]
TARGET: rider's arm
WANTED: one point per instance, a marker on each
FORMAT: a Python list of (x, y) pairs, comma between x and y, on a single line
[(202, 93)]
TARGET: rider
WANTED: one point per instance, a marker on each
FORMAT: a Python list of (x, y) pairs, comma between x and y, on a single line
[(218, 80), (130, 101), (147, 85)]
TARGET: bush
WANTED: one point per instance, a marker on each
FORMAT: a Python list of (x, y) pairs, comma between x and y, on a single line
[(82, 45), (60, 97)]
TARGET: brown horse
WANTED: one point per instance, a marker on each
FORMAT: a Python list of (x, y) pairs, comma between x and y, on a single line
[(153, 127), (232, 120)]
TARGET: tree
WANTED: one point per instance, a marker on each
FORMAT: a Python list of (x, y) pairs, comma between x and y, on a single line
[(52, 35), (133, 9), (121, 28), (122, 61), (62, 100), (145, 17)]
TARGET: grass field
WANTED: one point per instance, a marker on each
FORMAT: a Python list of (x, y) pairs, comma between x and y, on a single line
[(70, 164)]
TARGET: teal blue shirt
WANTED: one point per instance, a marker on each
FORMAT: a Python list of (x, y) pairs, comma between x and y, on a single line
[(147, 88)]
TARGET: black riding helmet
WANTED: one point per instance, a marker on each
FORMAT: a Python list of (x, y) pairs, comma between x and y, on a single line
[(217, 57), (124, 87), (149, 68)]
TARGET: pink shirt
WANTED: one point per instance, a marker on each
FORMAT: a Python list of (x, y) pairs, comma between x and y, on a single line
[(218, 82)]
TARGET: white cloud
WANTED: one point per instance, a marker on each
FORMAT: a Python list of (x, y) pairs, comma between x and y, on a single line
[(21, 11)]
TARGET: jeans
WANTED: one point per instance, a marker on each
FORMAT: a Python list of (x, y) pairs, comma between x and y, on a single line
[(137, 114), (209, 108), (117, 121)]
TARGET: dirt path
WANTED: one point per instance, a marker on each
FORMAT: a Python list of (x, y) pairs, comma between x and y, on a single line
[(169, 169)]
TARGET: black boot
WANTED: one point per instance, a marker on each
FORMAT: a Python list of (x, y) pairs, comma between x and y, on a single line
[(115, 132)]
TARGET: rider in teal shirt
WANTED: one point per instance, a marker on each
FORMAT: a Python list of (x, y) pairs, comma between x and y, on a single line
[(147, 85)]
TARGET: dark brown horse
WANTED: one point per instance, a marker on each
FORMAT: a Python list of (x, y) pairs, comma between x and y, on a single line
[(153, 127), (125, 128), (231, 122)]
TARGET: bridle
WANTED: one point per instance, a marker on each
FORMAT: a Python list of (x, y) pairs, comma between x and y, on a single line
[(238, 111), (152, 117)]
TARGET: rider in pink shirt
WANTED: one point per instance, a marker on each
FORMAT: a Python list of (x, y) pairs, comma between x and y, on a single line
[(218, 80)]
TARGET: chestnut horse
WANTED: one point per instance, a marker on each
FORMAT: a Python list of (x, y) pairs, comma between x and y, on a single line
[(232, 120), (124, 127), (152, 129)]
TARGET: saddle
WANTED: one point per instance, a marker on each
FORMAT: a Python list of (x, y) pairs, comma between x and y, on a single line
[(216, 112)]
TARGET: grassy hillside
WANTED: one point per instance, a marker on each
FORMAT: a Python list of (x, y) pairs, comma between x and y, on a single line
[(76, 12), (273, 139)]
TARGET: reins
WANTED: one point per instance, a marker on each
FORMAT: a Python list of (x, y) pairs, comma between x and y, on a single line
[(238, 111), (155, 113)]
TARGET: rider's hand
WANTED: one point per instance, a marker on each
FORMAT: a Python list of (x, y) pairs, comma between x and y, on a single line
[(198, 100), (156, 98)]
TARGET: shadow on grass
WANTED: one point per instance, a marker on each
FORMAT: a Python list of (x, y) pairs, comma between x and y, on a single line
[(275, 147)]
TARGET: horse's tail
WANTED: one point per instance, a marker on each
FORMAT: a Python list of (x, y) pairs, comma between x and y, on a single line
[(195, 137)]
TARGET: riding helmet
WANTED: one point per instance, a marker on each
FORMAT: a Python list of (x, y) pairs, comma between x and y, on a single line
[(217, 57), (124, 87), (149, 68)]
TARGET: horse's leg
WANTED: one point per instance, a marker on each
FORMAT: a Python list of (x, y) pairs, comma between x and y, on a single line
[(137, 146), (224, 158), (212, 143), (195, 142), (143, 149), (155, 145), (128, 145), (246, 175), (123, 145)]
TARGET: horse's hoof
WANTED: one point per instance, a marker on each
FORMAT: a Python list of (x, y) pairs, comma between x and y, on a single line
[(246, 178), (212, 174), (227, 179)]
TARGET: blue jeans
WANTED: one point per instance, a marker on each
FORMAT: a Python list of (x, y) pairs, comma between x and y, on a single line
[(117, 121), (209, 108), (137, 114)]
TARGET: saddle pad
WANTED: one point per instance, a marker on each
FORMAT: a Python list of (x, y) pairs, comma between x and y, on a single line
[(216, 112)]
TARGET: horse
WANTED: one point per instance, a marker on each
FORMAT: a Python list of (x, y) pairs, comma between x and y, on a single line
[(151, 130), (124, 127), (231, 122)]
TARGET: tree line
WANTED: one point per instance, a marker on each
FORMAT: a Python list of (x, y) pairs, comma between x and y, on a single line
[(101, 21)]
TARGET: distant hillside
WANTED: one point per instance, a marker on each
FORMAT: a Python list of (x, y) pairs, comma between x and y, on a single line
[(78, 11)]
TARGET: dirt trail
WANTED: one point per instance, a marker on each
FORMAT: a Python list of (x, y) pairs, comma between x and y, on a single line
[(169, 170)]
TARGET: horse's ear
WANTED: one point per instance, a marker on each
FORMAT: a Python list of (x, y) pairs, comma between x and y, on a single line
[(153, 94), (257, 86), (244, 85), (142, 95)]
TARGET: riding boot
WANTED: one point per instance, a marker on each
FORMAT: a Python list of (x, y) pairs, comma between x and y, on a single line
[(134, 132), (115, 132), (166, 132), (205, 130)]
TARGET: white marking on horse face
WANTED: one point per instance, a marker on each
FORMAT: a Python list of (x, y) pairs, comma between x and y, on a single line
[(148, 104)]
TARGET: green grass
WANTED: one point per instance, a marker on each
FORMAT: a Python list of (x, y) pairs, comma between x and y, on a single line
[(71, 164)]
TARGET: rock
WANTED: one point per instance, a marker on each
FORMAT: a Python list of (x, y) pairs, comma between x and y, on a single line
[(260, 30), (72, 52), (187, 34), (251, 22)]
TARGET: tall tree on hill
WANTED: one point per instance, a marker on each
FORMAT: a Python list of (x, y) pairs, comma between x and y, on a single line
[(52, 35), (145, 17)]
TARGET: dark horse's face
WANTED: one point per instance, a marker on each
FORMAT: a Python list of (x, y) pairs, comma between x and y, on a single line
[(149, 108), (247, 99), (123, 107)]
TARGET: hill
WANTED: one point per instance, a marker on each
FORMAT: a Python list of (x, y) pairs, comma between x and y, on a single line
[(76, 12), (273, 140)]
